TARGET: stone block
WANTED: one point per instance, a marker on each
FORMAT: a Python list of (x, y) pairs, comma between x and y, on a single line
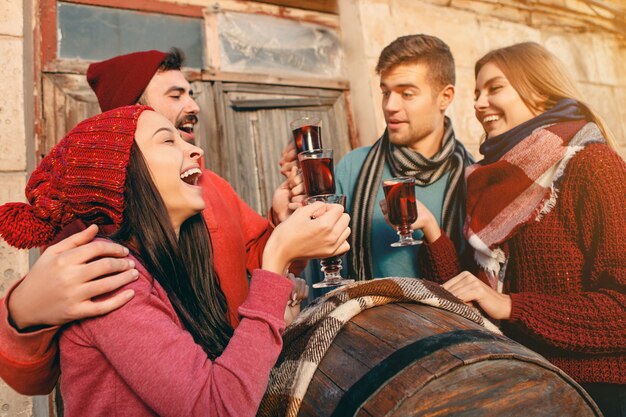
[(581, 7), (461, 111), (12, 133), (604, 101), (589, 58), (375, 24), (496, 9), (438, 21), (496, 33), (11, 18), (13, 263), (13, 404), (609, 59), (574, 52)]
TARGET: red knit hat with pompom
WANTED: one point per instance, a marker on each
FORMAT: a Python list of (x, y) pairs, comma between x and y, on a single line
[(120, 81), (82, 177)]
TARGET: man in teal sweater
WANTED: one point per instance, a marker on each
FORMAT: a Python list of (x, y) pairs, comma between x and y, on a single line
[(417, 79)]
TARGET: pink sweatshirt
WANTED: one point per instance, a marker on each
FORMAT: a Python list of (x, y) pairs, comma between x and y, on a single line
[(140, 361), (238, 234)]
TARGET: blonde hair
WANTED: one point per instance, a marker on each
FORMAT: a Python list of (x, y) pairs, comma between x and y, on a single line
[(540, 79)]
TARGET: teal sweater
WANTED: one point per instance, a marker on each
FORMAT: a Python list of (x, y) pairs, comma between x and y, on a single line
[(388, 261)]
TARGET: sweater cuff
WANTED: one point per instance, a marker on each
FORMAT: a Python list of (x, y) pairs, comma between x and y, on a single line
[(441, 251), (268, 296), (23, 347), (518, 302)]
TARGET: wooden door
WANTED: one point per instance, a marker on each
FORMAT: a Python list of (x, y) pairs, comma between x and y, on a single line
[(254, 123)]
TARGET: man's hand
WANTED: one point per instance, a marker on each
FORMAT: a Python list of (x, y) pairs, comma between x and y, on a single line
[(425, 221), (288, 197), (61, 285), (288, 159)]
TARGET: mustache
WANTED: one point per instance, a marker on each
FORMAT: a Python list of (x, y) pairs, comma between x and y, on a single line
[(190, 118)]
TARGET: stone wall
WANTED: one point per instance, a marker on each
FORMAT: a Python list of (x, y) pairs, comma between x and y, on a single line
[(592, 47), (13, 162)]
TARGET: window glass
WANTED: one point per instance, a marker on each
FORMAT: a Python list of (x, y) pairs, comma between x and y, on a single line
[(96, 33), (257, 43)]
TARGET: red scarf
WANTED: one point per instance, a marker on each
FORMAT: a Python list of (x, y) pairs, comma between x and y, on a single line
[(518, 189)]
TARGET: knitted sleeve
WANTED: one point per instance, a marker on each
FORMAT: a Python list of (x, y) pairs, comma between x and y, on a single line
[(438, 260), (28, 361), (594, 320)]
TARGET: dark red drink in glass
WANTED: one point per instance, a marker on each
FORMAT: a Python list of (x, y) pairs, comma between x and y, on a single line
[(401, 208), (331, 267), (308, 138), (307, 133), (317, 172)]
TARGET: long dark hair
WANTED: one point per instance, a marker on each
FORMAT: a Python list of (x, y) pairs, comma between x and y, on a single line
[(183, 266)]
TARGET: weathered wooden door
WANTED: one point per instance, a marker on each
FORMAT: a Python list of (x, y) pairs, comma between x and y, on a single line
[(253, 127)]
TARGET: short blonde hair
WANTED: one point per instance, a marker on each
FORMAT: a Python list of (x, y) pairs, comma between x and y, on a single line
[(540, 79)]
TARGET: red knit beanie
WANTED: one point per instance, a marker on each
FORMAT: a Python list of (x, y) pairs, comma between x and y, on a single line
[(82, 177), (121, 80)]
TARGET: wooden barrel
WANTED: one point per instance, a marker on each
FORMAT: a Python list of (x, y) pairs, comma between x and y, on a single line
[(413, 360)]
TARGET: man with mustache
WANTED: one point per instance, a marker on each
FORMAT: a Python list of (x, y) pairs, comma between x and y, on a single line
[(67, 279)]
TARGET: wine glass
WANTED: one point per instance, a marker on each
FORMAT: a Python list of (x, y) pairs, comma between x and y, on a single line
[(317, 171), (401, 208), (331, 267), (307, 133)]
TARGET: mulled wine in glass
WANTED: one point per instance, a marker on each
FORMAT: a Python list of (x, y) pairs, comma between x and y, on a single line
[(331, 267), (401, 208), (317, 172), (307, 133)]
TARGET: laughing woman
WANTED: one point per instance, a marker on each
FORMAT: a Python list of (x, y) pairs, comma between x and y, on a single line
[(546, 217), (170, 351)]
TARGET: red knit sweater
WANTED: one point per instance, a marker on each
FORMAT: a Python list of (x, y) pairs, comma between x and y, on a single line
[(566, 274), (238, 235)]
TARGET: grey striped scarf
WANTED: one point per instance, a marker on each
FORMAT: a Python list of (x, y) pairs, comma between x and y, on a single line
[(452, 157)]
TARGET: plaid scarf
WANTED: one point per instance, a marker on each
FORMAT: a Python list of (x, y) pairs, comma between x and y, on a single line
[(311, 334), (517, 189), (404, 162)]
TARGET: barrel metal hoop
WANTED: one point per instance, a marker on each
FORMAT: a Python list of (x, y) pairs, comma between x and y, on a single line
[(369, 383)]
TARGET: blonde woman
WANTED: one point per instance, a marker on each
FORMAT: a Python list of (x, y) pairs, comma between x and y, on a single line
[(546, 217)]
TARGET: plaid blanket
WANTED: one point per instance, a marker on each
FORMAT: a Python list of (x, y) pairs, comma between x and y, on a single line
[(518, 189), (311, 334)]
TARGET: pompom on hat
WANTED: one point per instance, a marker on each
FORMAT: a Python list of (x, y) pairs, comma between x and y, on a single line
[(83, 177), (120, 81)]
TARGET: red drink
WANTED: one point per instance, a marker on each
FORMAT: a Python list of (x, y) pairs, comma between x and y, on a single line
[(400, 197), (318, 174), (308, 138)]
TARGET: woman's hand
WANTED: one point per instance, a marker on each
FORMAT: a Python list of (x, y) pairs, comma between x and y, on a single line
[(300, 292), (425, 221), (314, 231), (468, 288)]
